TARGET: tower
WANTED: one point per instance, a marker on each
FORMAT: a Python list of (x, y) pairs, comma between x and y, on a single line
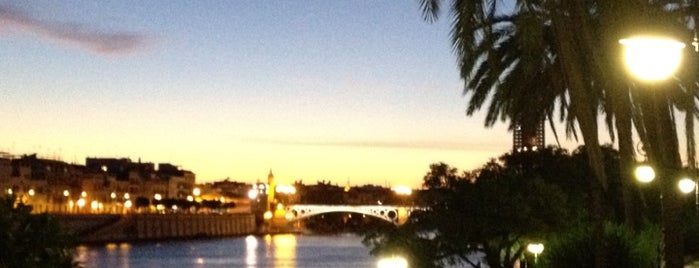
[(270, 190), (528, 137)]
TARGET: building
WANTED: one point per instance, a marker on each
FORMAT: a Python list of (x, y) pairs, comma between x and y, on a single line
[(528, 137)]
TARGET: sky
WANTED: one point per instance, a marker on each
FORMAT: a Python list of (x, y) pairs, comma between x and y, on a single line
[(358, 91)]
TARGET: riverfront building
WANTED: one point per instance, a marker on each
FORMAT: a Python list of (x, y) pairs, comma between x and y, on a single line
[(102, 183)]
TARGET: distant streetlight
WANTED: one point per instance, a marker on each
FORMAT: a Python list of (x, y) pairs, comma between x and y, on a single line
[(127, 196), (81, 202), (31, 192), (190, 198), (196, 191), (652, 58), (128, 204), (83, 194), (157, 197), (66, 193), (113, 195)]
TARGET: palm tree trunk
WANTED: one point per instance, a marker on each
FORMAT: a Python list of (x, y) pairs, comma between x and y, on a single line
[(584, 109)]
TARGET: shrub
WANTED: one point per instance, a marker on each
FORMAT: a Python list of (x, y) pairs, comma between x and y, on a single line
[(32, 240), (575, 248)]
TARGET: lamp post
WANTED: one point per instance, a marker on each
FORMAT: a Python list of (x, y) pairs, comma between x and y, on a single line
[(652, 60)]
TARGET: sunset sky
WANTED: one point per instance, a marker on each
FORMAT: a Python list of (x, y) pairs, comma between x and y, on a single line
[(364, 91)]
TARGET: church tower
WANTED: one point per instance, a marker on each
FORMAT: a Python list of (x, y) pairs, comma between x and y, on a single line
[(270, 190)]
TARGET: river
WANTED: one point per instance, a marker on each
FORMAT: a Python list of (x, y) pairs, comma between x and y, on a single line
[(285, 250)]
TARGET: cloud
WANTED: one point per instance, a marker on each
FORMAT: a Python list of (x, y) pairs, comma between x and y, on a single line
[(97, 41), (422, 145)]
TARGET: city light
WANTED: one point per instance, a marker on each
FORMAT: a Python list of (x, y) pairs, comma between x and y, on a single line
[(157, 197), (66, 193), (403, 190), (268, 215), (83, 194), (113, 195), (190, 198), (94, 205), (128, 204), (286, 189), (81, 202), (127, 196), (9, 191), (652, 58), (392, 262), (196, 191), (31, 192), (252, 194)]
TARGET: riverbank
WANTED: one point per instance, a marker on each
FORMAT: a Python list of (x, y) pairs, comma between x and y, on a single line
[(100, 228)]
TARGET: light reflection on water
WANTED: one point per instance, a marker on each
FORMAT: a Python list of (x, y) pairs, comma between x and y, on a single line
[(251, 252)]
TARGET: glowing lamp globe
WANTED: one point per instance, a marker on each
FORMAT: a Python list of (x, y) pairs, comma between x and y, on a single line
[(652, 58), (686, 185), (535, 248), (645, 173)]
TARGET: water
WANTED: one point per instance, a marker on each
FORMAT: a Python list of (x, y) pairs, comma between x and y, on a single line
[(252, 251)]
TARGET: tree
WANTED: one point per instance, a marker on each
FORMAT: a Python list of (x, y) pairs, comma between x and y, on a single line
[(495, 210), (32, 240)]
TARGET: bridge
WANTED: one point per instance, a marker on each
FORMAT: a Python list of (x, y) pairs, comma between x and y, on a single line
[(393, 214)]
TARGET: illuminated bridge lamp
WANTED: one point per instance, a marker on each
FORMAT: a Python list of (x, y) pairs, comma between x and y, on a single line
[(652, 58)]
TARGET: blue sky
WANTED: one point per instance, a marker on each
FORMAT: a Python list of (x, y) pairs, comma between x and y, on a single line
[(338, 90)]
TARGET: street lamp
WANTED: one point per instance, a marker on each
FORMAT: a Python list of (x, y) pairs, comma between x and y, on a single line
[(651, 58), (535, 249)]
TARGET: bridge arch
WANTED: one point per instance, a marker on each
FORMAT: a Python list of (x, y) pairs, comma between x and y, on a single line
[(393, 214)]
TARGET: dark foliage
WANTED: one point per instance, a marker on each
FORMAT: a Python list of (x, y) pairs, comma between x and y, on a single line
[(32, 240), (489, 215)]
